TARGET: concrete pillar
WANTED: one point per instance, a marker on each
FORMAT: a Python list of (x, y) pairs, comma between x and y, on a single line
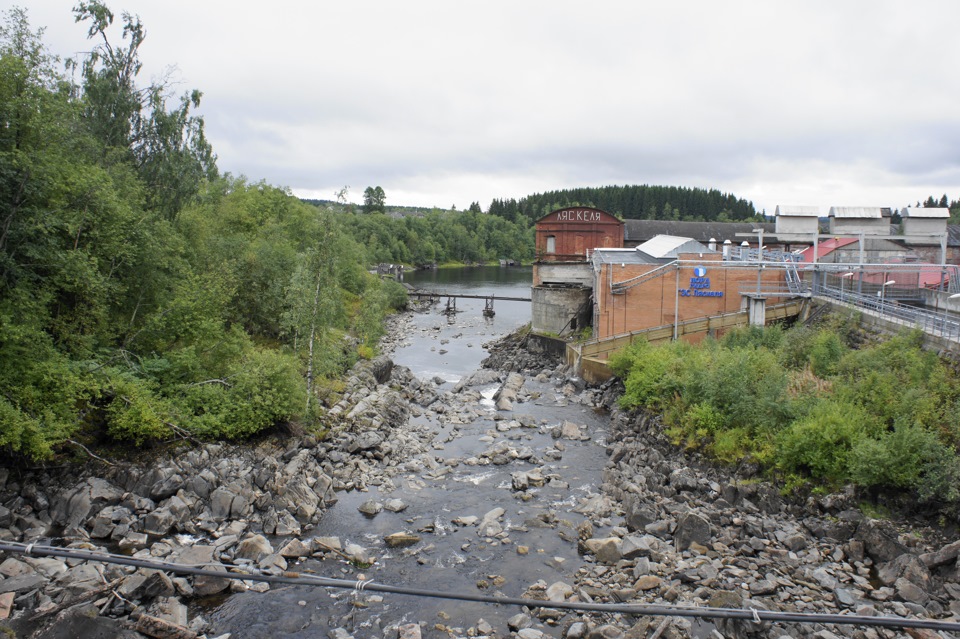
[(757, 308)]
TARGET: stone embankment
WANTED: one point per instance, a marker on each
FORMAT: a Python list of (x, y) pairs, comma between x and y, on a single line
[(662, 529)]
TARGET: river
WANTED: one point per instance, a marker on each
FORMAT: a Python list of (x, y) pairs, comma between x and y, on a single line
[(539, 542)]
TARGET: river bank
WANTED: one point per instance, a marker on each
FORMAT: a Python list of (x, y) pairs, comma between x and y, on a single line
[(507, 481)]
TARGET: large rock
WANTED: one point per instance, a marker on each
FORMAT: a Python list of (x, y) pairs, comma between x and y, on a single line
[(906, 566), (72, 509), (490, 524), (225, 504), (947, 554), (159, 522), (879, 544), (253, 548), (381, 368), (636, 513), (298, 497), (606, 550), (692, 528), (201, 556)]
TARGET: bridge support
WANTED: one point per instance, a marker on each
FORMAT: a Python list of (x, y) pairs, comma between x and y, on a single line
[(757, 311), (488, 307)]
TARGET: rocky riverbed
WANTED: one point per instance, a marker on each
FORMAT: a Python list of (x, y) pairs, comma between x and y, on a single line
[(518, 480)]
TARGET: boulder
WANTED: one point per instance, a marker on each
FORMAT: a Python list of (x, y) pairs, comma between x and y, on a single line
[(72, 509), (607, 549), (253, 548), (692, 528)]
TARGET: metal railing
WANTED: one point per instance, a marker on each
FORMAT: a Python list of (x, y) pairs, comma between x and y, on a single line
[(941, 324), (619, 288)]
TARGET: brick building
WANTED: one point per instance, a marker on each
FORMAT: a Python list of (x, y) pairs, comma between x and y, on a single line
[(634, 293), (566, 235)]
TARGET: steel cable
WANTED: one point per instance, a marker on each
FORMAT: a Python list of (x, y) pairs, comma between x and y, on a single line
[(653, 610)]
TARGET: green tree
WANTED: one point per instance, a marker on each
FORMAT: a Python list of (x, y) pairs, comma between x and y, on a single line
[(374, 200), (168, 148)]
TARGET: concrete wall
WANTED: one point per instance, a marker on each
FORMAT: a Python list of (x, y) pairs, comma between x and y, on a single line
[(806, 226), (554, 308), (578, 274), (939, 301), (924, 226), (853, 226)]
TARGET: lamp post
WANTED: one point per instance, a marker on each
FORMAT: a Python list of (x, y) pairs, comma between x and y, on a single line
[(843, 277), (883, 290), (759, 233)]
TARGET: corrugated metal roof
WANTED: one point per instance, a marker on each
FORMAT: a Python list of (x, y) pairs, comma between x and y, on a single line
[(863, 212), (798, 211), (638, 231), (925, 212), (669, 246)]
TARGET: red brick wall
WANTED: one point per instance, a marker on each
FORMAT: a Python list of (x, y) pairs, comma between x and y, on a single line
[(656, 301), (575, 231)]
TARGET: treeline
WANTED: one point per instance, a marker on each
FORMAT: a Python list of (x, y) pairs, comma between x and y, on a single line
[(944, 203), (810, 407), (439, 237), (634, 203), (144, 296)]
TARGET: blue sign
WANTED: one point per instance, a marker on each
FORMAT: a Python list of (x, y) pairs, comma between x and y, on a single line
[(699, 285)]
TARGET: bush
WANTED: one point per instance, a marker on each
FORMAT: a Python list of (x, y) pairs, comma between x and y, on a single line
[(826, 351), (908, 458), (267, 389), (135, 412), (653, 376), (819, 445)]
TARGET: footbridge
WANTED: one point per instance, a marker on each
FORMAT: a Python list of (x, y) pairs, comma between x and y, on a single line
[(451, 305)]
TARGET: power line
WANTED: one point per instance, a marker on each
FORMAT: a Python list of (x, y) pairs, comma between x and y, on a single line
[(652, 610)]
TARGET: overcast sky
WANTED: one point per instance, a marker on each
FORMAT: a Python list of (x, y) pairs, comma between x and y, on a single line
[(446, 102)]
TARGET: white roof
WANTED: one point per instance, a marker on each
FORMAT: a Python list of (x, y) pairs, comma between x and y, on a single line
[(923, 211), (620, 256), (669, 246), (798, 211), (868, 212)]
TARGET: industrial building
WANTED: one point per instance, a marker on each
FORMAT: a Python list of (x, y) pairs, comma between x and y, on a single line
[(623, 280)]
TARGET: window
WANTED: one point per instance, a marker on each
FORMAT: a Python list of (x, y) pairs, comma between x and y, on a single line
[(551, 244)]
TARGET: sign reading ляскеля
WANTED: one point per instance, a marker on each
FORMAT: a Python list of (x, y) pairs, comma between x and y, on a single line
[(578, 215)]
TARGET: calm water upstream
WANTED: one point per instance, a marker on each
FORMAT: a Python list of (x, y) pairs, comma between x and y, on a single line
[(468, 330), (449, 558)]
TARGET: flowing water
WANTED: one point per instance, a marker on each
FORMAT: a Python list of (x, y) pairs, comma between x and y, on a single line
[(540, 541)]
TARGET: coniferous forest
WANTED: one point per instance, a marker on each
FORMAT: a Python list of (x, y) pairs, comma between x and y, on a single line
[(634, 202)]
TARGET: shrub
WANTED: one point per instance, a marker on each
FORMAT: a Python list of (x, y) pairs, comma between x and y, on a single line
[(267, 389), (819, 445), (911, 458), (653, 376), (826, 351), (135, 412)]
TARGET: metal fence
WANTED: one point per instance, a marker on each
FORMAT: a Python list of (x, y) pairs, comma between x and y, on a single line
[(942, 324)]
